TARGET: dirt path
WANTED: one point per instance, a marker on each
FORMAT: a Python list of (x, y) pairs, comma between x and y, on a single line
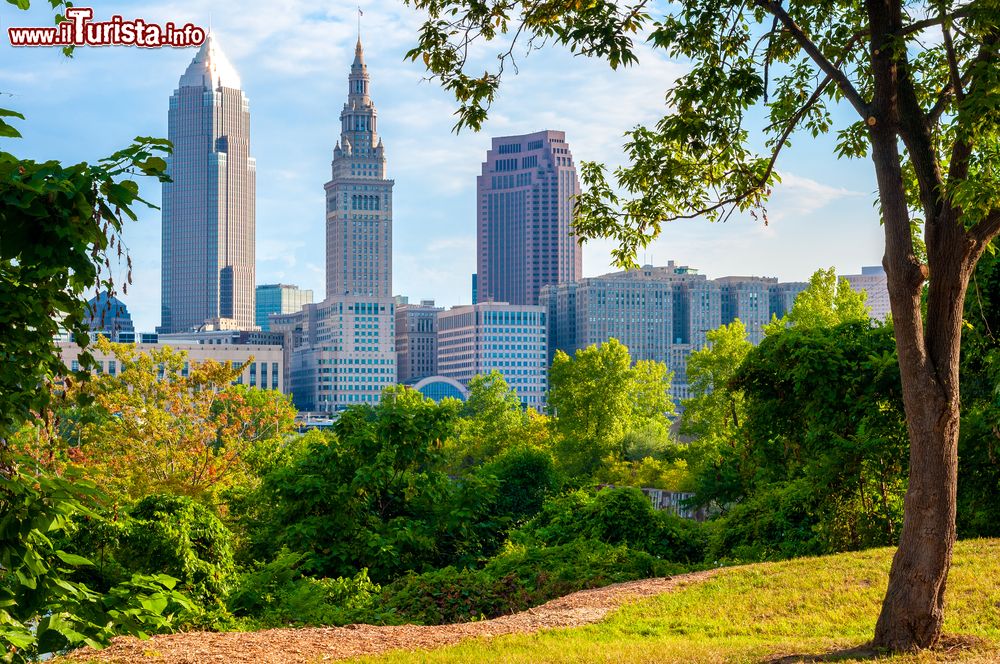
[(332, 643)]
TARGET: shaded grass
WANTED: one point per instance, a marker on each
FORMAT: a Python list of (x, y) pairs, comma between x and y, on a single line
[(807, 607)]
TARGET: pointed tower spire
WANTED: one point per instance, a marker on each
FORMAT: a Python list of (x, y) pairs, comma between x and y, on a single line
[(211, 68)]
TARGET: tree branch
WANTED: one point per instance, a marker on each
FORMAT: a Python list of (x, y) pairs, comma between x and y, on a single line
[(780, 143), (986, 230), (832, 71)]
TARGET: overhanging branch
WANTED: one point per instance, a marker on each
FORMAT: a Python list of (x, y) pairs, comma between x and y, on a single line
[(832, 71)]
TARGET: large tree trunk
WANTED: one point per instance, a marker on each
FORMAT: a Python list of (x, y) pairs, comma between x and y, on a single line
[(913, 609)]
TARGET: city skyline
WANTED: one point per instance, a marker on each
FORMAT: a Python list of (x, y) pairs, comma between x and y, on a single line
[(822, 215)]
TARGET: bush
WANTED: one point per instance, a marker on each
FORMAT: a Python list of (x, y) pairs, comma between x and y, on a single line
[(615, 516), (526, 477), (516, 580), (177, 536), (278, 594)]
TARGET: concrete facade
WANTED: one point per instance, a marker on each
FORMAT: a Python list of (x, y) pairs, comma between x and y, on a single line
[(266, 368), (874, 282), (416, 341)]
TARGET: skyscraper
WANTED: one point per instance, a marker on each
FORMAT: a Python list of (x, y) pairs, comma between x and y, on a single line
[(359, 199), (208, 208), (341, 351), (525, 211)]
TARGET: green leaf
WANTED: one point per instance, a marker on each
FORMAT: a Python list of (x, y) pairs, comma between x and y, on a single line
[(73, 559)]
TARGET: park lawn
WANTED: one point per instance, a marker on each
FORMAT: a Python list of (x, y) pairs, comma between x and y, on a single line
[(759, 613)]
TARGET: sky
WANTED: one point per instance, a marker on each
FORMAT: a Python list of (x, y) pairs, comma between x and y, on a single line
[(293, 57)]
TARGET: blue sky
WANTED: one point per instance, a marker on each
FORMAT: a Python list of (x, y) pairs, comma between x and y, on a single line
[(293, 57)]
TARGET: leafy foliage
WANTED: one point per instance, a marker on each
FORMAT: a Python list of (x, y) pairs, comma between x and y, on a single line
[(828, 301), (491, 420), (371, 495), (597, 397), (278, 594), (516, 580), (819, 466), (61, 230), (164, 424), (615, 516), (43, 607)]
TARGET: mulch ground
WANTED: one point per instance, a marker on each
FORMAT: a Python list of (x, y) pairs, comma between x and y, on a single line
[(333, 643)]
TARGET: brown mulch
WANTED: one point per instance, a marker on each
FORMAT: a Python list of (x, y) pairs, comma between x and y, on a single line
[(331, 643)]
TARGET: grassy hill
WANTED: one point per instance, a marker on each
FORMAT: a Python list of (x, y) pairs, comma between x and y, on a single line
[(771, 612)]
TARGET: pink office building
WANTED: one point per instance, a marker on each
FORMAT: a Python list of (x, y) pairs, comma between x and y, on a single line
[(525, 212)]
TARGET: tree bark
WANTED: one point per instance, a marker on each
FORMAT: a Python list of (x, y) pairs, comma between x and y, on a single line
[(913, 609)]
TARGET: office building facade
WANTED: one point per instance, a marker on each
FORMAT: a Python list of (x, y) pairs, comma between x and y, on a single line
[(525, 212), (416, 341), (264, 367), (496, 336), (875, 284), (208, 255), (661, 313)]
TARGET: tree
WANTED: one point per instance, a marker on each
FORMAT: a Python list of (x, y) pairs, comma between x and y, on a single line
[(827, 302), (168, 425), (492, 422), (597, 397), (373, 493), (922, 78), (716, 412), (60, 231)]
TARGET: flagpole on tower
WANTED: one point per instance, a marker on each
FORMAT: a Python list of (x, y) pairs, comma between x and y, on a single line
[(360, 14)]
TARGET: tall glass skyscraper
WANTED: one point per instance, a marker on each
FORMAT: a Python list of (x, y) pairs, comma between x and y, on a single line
[(208, 208), (341, 351), (525, 213)]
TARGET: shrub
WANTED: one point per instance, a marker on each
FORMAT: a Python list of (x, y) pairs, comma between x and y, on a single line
[(526, 477), (277, 593), (615, 516), (518, 579), (177, 536)]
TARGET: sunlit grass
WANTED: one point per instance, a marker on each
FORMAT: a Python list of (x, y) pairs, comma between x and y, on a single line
[(808, 606)]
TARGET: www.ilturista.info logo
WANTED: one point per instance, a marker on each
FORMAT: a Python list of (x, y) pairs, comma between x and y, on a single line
[(76, 29)]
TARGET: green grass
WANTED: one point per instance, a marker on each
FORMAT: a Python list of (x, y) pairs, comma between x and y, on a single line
[(807, 606)]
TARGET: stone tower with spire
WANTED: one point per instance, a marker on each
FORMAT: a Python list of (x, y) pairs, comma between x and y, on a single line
[(341, 352), (208, 257), (359, 199)]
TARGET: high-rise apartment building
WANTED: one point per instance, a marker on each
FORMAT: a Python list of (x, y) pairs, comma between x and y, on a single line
[(208, 207), (749, 299), (496, 336), (341, 352), (279, 299), (874, 282), (416, 341), (660, 313), (525, 212)]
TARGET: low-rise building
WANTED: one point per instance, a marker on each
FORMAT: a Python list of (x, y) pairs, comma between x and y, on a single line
[(265, 368)]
